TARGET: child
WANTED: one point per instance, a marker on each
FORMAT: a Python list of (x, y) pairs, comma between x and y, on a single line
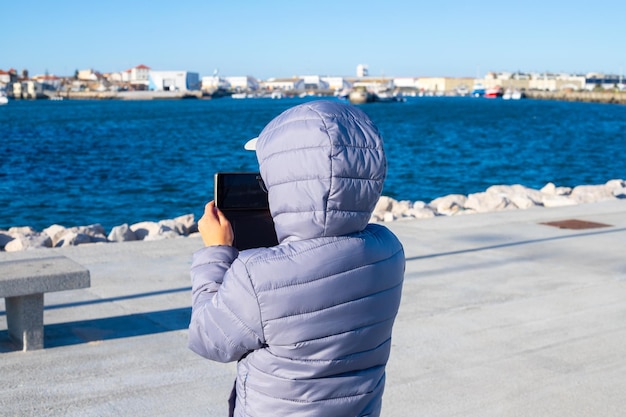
[(309, 320)]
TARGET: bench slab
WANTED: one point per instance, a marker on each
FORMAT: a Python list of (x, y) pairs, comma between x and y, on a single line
[(23, 284)]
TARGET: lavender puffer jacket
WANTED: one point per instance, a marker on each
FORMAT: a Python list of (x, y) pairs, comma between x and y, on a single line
[(309, 320)]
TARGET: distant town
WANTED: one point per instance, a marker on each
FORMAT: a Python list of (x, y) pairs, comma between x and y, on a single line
[(145, 82)]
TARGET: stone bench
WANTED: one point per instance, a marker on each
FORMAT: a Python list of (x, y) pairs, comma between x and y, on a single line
[(23, 284)]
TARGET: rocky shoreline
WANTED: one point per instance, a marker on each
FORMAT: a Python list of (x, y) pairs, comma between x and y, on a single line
[(495, 198)]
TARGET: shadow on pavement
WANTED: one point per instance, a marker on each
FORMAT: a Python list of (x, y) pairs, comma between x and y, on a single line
[(87, 331)]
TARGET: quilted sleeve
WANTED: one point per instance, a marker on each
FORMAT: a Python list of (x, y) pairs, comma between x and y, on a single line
[(225, 318)]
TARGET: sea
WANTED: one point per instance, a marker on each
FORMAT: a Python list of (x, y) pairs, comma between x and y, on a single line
[(82, 162)]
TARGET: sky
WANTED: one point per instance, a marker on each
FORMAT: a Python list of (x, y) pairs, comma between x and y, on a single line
[(266, 39)]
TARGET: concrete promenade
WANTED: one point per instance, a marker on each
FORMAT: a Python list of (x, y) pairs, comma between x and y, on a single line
[(501, 316)]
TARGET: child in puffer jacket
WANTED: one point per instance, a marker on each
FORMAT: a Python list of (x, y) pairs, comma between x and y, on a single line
[(309, 320)]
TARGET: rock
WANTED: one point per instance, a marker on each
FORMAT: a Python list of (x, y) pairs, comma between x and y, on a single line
[(399, 208), (22, 230), (28, 242), (383, 205), (448, 205), (121, 233), (558, 201), (617, 188), (53, 231), (549, 189), (615, 184), (72, 238), (518, 192), (524, 202), (486, 202), (162, 234), (388, 217), (421, 212), (143, 229), (172, 225), (375, 218), (154, 231), (563, 191), (187, 224), (619, 193), (5, 238), (94, 230), (591, 193)]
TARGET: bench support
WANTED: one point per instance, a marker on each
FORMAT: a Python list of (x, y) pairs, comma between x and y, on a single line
[(25, 320)]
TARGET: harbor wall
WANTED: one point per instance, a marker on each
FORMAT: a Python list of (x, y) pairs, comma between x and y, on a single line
[(612, 97), (124, 95)]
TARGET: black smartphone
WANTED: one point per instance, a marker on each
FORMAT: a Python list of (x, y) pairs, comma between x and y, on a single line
[(243, 200)]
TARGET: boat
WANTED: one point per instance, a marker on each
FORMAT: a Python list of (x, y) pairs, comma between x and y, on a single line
[(343, 94), (461, 91), (478, 90), (514, 94), (494, 92), (218, 92), (360, 95), (517, 94), (387, 96), (3, 98)]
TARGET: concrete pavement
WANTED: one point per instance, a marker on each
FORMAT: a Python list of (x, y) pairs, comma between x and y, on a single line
[(501, 316)]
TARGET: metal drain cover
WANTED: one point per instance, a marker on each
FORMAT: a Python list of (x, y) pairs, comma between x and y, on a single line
[(576, 224)]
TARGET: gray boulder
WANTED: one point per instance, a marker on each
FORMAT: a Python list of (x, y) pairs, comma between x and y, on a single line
[(5, 238), (591, 193), (186, 224), (121, 233), (487, 202), (28, 242), (71, 238), (448, 205)]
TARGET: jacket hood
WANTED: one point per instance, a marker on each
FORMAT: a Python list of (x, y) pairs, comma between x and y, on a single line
[(324, 167)]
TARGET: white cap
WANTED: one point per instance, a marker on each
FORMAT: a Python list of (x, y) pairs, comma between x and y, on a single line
[(251, 145)]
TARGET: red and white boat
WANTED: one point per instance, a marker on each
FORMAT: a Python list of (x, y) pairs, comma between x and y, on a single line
[(494, 92)]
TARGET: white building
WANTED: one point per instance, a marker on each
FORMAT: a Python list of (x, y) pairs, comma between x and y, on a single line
[(405, 82), (48, 81), (284, 84), (5, 77), (556, 82), (243, 83), (314, 82), (337, 83), (173, 81), (214, 82), (87, 75), (362, 71), (139, 74)]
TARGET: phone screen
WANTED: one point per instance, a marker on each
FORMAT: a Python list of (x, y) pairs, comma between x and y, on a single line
[(239, 190), (244, 203)]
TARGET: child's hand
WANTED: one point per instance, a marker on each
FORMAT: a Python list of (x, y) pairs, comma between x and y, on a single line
[(214, 227)]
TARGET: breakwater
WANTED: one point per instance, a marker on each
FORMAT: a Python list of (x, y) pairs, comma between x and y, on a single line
[(123, 95), (609, 97), (495, 198)]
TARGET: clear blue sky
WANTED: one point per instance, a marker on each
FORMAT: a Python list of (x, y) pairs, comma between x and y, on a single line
[(283, 38)]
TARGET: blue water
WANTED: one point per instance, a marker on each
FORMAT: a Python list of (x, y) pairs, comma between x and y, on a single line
[(113, 162)]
